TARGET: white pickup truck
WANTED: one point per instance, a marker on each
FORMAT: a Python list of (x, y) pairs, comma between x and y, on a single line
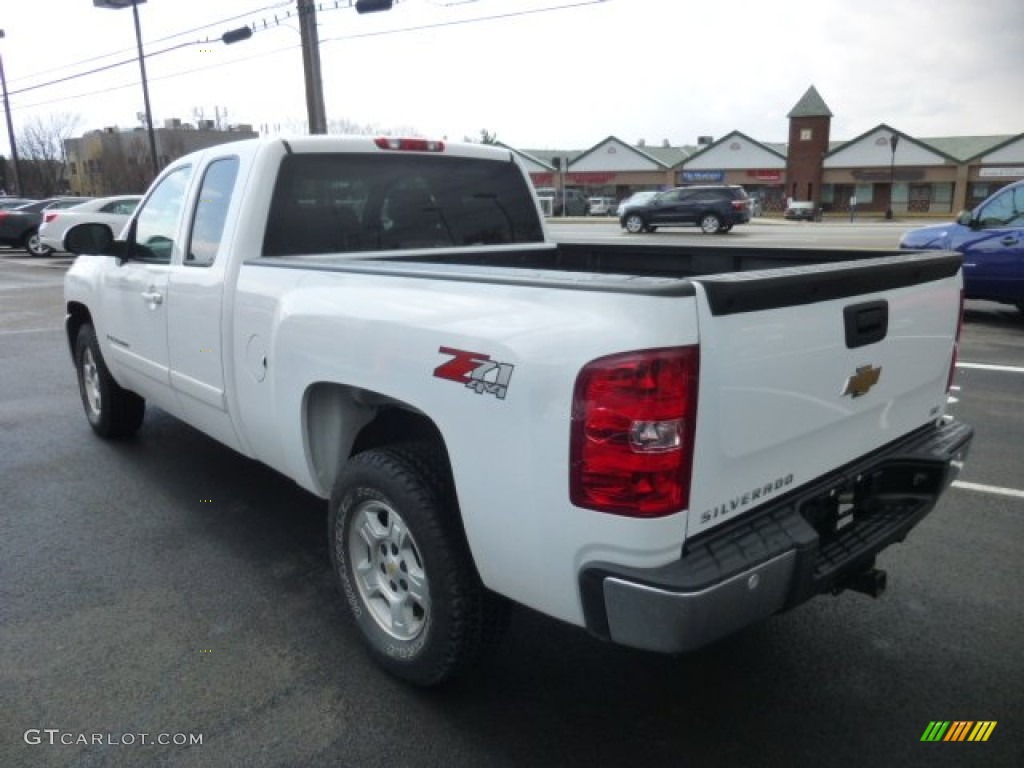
[(661, 444)]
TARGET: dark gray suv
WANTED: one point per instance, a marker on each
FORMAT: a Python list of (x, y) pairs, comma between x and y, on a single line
[(714, 208)]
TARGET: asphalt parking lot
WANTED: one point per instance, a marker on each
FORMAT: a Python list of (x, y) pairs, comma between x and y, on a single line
[(170, 588)]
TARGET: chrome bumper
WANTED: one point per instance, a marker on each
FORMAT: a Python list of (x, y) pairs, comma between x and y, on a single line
[(778, 555)]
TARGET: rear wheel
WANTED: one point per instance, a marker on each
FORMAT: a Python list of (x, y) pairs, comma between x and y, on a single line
[(634, 223), (710, 223), (34, 245), (111, 410), (404, 567)]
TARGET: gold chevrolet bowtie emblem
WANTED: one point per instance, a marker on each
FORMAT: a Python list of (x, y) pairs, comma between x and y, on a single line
[(863, 380)]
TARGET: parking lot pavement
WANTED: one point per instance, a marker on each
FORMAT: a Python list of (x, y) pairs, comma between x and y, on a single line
[(167, 586)]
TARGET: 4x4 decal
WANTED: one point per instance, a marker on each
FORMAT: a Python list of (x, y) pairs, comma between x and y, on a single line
[(476, 371)]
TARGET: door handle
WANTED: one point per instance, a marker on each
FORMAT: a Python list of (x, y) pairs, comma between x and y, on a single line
[(153, 297), (1009, 240)]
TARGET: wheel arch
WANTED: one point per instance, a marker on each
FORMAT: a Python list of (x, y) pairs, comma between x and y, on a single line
[(340, 421), (77, 315)]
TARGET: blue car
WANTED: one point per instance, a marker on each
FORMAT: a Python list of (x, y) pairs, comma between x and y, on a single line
[(991, 238)]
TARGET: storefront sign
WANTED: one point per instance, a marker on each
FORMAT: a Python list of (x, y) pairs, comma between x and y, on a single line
[(692, 176), (1001, 172), (542, 179), (766, 175), (898, 174), (591, 177)]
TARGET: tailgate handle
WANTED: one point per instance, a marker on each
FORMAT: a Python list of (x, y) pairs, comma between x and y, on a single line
[(865, 323)]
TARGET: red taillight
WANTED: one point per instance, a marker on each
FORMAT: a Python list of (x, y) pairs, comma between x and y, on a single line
[(956, 344), (633, 421), (47, 218), (409, 145), (739, 205)]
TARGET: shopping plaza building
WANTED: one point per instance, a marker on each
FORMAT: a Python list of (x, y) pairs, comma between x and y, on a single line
[(880, 168)]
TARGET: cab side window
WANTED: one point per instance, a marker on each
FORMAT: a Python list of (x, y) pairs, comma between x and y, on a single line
[(157, 223), (211, 212), (1006, 210)]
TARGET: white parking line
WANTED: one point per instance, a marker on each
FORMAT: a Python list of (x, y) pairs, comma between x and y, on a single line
[(989, 489), (31, 330), (987, 367)]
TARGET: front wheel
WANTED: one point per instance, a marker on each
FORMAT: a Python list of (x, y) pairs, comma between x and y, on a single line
[(710, 223), (404, 567), (34, 245), (111, 410), (634, 224)]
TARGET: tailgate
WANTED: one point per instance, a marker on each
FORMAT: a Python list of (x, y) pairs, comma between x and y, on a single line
[(806, 369)]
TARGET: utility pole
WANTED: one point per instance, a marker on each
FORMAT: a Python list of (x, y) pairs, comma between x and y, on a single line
[(10, 130), (315, 110)]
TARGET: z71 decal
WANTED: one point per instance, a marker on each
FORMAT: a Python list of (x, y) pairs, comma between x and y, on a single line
[(476, 371)]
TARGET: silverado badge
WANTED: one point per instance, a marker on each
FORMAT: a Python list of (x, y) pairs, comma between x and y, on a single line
[(863, 380)]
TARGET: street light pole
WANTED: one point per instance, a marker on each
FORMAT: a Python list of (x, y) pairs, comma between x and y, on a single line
[(10, 126), (117, 5), (893, 141)]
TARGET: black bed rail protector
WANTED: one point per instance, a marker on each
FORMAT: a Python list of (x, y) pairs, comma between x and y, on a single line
[(738, 292)]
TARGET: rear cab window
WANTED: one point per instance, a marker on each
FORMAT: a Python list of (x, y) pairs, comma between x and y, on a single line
[(347, 202)]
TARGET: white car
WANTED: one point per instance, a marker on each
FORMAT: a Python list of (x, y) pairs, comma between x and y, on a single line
[(112, 211), (601, 206)]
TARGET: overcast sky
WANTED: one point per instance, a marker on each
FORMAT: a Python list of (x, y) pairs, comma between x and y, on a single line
[(559, 74)]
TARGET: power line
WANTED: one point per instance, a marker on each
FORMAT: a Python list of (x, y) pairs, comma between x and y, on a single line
[(149, 42), (104, 68), (269, 53), (158, 78), (463, 21)]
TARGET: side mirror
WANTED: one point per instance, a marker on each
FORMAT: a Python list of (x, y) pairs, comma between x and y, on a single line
[(91, 238), (965, 219)]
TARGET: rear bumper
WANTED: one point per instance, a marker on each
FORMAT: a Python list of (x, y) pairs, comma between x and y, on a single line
[(812, 541)]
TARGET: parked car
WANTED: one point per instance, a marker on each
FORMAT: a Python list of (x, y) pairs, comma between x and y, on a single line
[(716, 209), (802, 211), (19, 227), (14, 202), (991, 239), (572, 200), (115, 212), (637, 198), (601, 206)]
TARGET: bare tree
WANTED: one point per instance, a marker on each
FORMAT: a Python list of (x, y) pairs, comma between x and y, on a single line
[(43, 160)]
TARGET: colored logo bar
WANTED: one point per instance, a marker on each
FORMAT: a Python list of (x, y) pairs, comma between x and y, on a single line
[(958, 730)]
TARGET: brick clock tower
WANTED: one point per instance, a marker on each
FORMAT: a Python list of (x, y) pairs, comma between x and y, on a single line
[(809, 124)]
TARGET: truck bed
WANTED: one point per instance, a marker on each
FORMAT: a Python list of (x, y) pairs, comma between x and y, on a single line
[(734, 279)]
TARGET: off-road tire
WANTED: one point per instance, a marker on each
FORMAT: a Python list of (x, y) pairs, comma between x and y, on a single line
[(404, 568), (112, 411)]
